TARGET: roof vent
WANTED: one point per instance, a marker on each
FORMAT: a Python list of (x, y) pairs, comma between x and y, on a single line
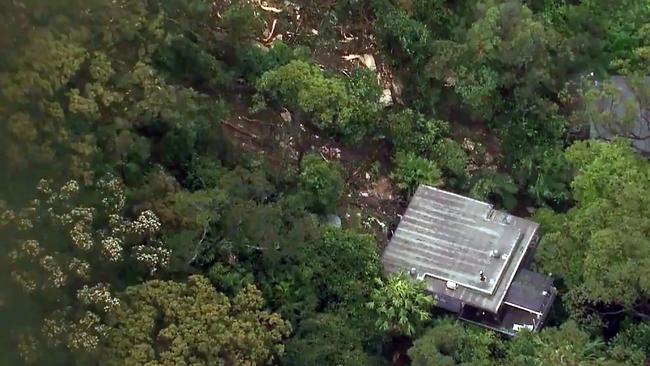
[(452, 285), (494, 253), (482, 276)]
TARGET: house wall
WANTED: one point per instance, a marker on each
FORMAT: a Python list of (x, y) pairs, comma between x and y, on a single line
[(530, 252)]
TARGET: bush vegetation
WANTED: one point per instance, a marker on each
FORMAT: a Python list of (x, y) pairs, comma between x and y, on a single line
[(137, 230)]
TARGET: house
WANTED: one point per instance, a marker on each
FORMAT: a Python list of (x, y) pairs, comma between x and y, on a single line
[(621, 108), (472, 259)]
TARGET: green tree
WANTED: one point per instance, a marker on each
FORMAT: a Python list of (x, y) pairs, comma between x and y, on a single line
[(450, 343), (83, 90), (321, 183), (632, 344), (451, 157), (302, 86), (489, 185), (411, 131), (400, 305), (566, 345), (412, 170), (343, 265), (67, 250), (344, 107), (327, 339), (600, 246), (166, 322)]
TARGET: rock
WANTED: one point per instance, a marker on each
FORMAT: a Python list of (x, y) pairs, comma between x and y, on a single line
[(332, 220)]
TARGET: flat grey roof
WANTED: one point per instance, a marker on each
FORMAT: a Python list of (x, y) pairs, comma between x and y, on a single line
[(627, 93), (527, 291), (448, 237)]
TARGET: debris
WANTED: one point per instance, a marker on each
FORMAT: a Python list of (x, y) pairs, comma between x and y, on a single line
[(367, 176), (397, 87), (270, 35), (369, 61), (468, 144), (268, 8), (371, 219), (386, 98), (450, 81), (314, 32), (286, 115), (364, 194), (330, 153), (346, 38), (366, 59)]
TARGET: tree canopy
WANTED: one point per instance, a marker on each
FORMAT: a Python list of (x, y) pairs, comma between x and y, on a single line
[(600, 247), (165, 322), (213, 182)]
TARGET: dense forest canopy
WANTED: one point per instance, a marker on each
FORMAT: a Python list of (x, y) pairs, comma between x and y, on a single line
[(212, 182)]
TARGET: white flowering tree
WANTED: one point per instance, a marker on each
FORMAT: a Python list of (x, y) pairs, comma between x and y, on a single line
[(69, 249)]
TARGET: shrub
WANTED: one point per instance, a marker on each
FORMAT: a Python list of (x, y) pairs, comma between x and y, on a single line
[(405, 38), (302, 86), (546, 175), (344, 107), (229, 280), (327, 339), (242, 21), (343, 265), (412, 170), (492, 186), (450, 156), (187, 59), (360, 114), (412, 131), (321, 183), (254, 61), (449, 342), (400, 305)]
